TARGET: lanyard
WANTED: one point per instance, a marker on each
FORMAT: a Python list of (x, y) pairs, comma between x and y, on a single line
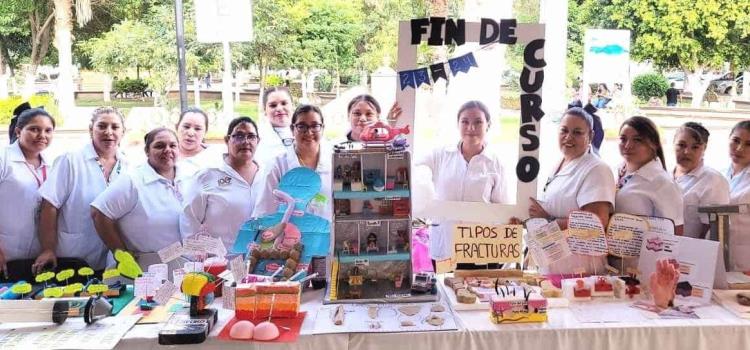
[(36, 177), (116, 170), (623, 179)]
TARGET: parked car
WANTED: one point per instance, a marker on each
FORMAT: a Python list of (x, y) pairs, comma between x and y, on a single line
[(678, 78), (723, 85)]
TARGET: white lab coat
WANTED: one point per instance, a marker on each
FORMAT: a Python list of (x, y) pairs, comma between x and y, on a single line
[(585, 180), (739, 224), (700, 187), (19, 185), (219, 200), (481, 179), (267, 203), (75, 181)]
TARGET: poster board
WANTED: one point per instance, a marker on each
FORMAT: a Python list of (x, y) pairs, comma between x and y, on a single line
[(485, 243), (217, 21), (438, 31)]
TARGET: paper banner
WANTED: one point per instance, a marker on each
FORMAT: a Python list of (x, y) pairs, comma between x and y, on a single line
[(625, 234), (586, 234), (414, 78), (462, 63), (437, 71), (486, 244)]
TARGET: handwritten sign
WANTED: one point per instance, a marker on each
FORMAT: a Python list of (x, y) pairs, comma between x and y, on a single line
[(586, 234), (547, 243), (625, 235), (485, 244)]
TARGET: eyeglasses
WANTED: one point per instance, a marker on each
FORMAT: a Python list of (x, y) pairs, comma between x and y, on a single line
[(239, 138), (304, 127)]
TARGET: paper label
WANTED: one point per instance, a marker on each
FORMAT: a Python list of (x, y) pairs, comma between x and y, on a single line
[(170, 252), (161, 271), (227, 301), (177, 276), (547, 243), (586, 234), (165, 292), (237, 265), (444, 266), (143, 286)]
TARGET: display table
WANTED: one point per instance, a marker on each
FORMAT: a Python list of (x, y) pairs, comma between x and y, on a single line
[(717, 329)]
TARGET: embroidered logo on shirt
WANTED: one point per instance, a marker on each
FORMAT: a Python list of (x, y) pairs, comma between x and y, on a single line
[(225, 181)]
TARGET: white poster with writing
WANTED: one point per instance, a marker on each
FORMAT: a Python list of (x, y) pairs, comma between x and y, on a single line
[(586, 234)]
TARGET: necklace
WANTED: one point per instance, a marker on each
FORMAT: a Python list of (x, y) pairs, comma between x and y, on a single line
[(36, 177), (301, 162)]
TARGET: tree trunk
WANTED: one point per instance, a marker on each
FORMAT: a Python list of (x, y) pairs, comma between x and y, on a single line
[(698, 86), (64, 43), (41, 28)]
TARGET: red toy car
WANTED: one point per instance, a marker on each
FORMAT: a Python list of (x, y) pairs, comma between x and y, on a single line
[(381, 132)]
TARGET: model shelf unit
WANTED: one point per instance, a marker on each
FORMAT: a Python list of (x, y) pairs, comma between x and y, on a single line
[(371, 228)]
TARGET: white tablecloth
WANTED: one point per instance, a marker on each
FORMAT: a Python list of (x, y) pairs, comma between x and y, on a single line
[(717, 329)]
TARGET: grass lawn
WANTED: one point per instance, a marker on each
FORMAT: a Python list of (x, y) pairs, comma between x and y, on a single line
[(243, 108)]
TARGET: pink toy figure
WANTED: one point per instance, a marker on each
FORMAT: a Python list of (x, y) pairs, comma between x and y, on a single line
[(420, 253), (381, 132), (273, 236)]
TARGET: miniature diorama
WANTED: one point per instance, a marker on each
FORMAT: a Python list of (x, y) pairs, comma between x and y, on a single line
[(517, 304), (578, 289), (603, 286), (371, 236)]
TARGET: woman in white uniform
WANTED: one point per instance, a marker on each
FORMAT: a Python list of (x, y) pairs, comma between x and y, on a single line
[(364, 110), (194, 155), (700, 185), (466, 171), (139, 212), (218, 200), (65, 226), (23, 169), (582, 182), (644, 187), (278, 139), (308, 151), (738, 175)]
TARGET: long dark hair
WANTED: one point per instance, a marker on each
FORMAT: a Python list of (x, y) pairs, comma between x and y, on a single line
[(647, 129), (239, 120), (25, 118)]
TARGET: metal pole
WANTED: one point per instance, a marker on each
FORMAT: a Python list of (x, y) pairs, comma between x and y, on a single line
[(179, 27)]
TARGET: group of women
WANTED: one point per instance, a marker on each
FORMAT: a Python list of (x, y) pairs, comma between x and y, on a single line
[(90, 201)]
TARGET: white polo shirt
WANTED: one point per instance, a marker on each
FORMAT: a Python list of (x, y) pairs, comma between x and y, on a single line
[(584, 180), (267, 203), (146, 207), (220, 200), (700, 187), (739, 224), (209, 157), (19, 185), (74, 182), (651, 191), (481, 179)]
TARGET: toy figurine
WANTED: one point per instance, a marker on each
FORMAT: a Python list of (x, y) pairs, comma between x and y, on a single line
[(372, 243), (402, 177), (403, 240), (346, 247), (355, 283), (356, 171), (381, 132)]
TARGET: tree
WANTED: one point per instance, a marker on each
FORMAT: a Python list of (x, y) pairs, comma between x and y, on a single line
[(31, 20), (693, 35)]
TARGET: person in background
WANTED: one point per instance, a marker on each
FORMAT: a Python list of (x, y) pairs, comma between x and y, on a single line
[(582, 181), (364, 110), (467, 171), (738, 174), (308, 151), (644, 187), (194, 155), (277, 108), (77, 177), (603, 96), (700, 184), (672, 95), (23, 169), (218, 200)]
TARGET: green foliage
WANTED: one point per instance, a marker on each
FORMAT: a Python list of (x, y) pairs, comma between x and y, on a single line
[(274, 80), (130, 86), (646, 86), (687, 34), (324, 82), (7, 106)]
